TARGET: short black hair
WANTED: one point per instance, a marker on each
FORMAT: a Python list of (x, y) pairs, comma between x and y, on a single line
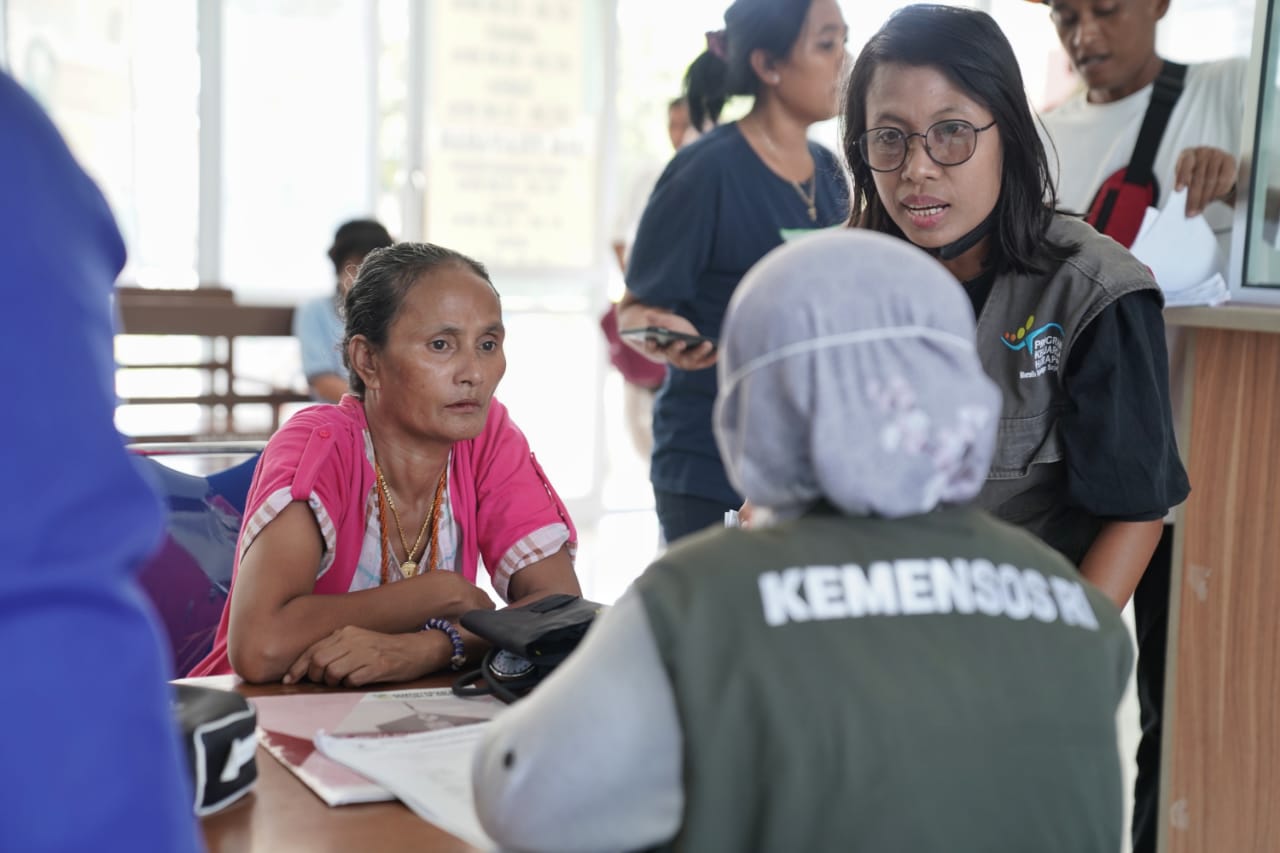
[(967, 47), (357, 238), (374, 300), (749, 25)]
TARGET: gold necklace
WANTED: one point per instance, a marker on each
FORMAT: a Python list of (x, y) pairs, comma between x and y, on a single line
[(810, 198), (410, 565)]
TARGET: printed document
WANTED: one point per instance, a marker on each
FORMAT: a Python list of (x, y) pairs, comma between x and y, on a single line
[(1182, 253), (287, 727), (430, 772)]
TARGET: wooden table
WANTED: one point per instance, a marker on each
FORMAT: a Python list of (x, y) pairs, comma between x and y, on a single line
[(282, 815)]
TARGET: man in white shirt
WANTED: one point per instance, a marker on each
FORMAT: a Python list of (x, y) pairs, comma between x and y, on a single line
[(1112, 45)]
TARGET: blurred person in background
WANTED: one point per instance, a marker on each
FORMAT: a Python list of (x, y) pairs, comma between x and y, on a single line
[(680, 132), (317, 324), (641, 376), (725, 200)]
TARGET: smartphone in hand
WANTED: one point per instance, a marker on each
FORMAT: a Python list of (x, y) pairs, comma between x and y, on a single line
[(666, 337)]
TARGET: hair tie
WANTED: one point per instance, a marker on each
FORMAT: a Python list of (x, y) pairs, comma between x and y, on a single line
[(718, 45)]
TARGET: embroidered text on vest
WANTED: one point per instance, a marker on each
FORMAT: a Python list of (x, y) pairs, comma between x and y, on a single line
[(919, 587)]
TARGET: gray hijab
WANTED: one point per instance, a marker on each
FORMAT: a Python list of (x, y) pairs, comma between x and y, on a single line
[(848, 373)]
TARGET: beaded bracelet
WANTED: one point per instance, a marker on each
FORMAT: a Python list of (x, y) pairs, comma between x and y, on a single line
[(459, 658)]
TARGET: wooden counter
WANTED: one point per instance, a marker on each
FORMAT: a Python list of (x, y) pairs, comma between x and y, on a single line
[(1221, 769)]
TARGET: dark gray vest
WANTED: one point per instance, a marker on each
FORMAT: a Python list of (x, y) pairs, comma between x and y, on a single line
[(1025, 335)]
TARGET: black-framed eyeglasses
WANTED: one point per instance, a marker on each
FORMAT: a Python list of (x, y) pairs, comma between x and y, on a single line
[(949, 142)]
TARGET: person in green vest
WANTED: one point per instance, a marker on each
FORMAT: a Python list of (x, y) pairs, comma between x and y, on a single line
[(876, 664)]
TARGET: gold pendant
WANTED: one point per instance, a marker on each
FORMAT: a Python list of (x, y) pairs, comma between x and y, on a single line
[(813, 213), (408, 568)]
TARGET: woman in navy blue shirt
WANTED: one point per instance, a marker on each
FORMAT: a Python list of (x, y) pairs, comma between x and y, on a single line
[(722, 204)]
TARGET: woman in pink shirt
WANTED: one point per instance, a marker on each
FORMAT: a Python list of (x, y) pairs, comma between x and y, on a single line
[(366, 520)]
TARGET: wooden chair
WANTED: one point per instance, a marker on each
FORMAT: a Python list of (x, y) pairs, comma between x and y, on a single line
[(213, 314)]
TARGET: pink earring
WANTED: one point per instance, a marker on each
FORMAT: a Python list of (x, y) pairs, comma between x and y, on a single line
[(775, 79)]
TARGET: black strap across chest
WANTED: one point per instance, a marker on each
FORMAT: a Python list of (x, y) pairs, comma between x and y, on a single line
[(1168, 87)]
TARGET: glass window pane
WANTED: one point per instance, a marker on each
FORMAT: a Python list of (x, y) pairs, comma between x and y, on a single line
[(1204, 30), (298, 107), (120, 79), (515, 103), (393, 116), (1262, 237)]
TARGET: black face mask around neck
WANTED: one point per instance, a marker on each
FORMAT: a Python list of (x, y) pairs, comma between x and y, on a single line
[(956, 248)]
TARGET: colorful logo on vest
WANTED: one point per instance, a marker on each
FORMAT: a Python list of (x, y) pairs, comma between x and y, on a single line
[(1044, 347)]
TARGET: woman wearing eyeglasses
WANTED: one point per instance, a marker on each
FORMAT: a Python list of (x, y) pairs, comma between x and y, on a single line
[(944, 153)]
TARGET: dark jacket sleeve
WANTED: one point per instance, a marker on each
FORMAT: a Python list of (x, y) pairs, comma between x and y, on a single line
[(1122, 459)]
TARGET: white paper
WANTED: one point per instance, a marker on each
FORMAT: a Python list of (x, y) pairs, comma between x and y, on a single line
[(1182, 253), (1212, 292), (1149, 217), (428, 709), (429, 772), (287, 726)]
